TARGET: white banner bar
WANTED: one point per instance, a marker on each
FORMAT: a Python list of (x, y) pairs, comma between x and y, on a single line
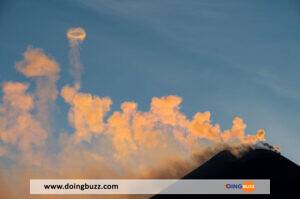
[(138, 186)]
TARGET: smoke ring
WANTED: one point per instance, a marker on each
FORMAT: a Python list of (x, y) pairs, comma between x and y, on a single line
[(76, 34)]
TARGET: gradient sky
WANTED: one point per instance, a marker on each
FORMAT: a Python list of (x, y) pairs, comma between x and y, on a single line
[(232, 58)]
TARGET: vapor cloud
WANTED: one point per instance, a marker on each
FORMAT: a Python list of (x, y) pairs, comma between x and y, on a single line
[(86, 113), (44, 71), (18, 126), (126, 143)]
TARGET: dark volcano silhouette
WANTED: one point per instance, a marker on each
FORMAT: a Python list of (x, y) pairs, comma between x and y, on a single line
[(254, 164)]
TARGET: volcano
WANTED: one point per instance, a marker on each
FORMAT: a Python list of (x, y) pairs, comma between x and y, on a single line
[(253, 164)]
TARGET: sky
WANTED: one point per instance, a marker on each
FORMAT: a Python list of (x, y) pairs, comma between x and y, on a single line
[(232, 58)]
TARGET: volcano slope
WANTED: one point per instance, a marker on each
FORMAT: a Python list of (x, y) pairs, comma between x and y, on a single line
[(253, 164)]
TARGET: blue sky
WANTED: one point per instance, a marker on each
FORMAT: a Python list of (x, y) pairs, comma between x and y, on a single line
[(233, 58)]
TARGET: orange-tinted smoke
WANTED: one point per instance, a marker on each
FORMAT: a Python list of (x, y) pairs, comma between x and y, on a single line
[(44, 71), (126, 143), (18, 126), (164, 125), (75, 37), (86, 113)]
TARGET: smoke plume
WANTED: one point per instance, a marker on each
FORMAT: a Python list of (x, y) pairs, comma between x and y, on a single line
[(75, 37), (44, 71), (19, 127), (103, 143)]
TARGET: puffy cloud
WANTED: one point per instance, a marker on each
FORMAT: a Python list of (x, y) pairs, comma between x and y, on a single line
[(44, 70), (86, 113), (15, 96), (237, 133), (37, 64), (201, 127), (18, 126), (132, 132), (166, 110), (120, 128)]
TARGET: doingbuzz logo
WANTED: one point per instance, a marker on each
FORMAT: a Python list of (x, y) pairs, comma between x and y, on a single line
[(247, 186)]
